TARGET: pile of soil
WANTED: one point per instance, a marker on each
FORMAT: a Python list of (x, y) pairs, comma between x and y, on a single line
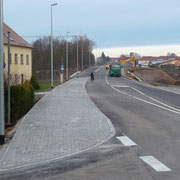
[(155, 77)]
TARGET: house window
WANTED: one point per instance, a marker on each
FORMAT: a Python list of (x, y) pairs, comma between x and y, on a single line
[(15, 59), (27, 59), (22, 60)]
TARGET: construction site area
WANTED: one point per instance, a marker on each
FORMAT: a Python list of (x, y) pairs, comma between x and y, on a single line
[(157, 71), (158, 77)]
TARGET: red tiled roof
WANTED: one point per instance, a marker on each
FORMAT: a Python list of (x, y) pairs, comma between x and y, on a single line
[(16, 40), (148, 58)]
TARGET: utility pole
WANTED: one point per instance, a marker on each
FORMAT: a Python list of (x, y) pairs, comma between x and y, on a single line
[(52, 68), (89, 58), (90, 47), (67, 60), (2, 130), (82, 54), (51, 48), (96, 54), (9, 85), (77, 56)]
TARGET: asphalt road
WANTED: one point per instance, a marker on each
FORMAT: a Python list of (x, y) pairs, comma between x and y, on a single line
[(146, 115)]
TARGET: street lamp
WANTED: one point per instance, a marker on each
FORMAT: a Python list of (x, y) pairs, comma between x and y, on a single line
[(2, 129), (89, 57), (90, 54), (77, 54), (9, 86), (82, 53), (54, 4), (67, 60)]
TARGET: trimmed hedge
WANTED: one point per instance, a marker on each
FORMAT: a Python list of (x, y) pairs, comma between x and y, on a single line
[(22, 100)]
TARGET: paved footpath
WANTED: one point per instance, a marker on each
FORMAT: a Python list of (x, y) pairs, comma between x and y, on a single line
[(64, 122)]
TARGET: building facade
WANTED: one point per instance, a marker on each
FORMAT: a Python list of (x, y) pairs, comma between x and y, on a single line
[(145, 61), (170, 64), (20, 57)]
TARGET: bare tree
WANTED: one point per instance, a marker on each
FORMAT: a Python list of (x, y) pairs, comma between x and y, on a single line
[(41, 55), (171, 54)]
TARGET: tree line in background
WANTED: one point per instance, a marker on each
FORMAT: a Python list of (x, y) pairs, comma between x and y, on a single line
[(103, 59), (137, 55), (41, 56)]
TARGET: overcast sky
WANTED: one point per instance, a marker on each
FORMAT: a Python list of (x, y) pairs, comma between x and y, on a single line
[(110, 23)]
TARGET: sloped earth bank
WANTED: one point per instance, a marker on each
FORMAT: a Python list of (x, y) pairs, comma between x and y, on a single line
[(155, 77)]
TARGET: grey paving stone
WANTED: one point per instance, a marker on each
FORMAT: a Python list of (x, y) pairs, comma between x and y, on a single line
[(63, 122)]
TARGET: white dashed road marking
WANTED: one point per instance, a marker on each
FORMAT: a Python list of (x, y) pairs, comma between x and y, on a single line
[(155, 164), (126, 141)]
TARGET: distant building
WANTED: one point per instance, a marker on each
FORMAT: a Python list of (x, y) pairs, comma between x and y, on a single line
[(146, 61), (169, 64), (21, 57)]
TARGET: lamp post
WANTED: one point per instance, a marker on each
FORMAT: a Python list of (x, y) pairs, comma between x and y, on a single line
[(9, 85), (67, 60), (90, 54), (96, 55), (2, 130), (82, 53), (54, 4), (77, 56), (89, 58)]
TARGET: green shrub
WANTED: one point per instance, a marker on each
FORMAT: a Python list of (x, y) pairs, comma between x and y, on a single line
[(34, 83), (22, 99), (27, 82)]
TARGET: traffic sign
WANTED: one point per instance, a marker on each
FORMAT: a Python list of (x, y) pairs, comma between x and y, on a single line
[(62, 67)]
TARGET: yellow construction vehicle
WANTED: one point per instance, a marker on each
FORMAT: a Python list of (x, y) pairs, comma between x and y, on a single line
[(107, 66), (133, 59)]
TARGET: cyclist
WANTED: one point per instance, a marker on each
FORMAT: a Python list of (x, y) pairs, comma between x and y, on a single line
[(92, 76)]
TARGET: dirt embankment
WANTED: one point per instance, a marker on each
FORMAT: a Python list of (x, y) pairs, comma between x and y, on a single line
[(155, 77)]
